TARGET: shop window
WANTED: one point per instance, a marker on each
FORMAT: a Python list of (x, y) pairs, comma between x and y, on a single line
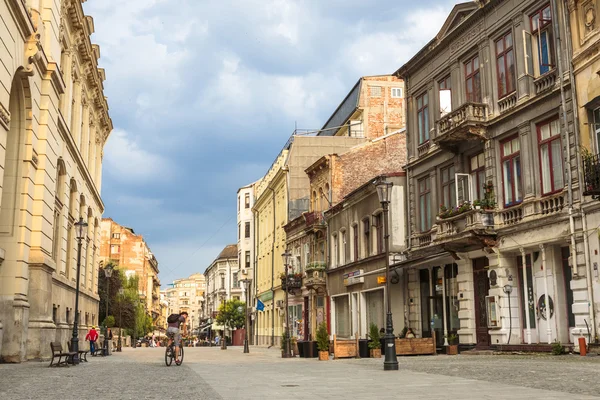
[(511, 170), (375, 309), (342, 316), (473, 80), (551, 157), (423, 118)]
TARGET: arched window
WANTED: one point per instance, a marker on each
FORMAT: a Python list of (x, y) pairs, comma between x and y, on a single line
[(70, 262), (59, 200)]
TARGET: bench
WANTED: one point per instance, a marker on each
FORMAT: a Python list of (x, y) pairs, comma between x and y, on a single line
[(81, 353), (57, 352)]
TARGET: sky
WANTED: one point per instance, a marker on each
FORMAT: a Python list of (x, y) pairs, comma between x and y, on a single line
[(203, 95)]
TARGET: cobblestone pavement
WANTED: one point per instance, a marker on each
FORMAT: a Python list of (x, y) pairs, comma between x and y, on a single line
[(210, 373)]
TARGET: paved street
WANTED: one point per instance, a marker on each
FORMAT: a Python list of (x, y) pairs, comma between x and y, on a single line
[(209, 373)]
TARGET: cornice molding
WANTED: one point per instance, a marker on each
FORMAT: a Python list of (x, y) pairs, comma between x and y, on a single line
[(22, 17)]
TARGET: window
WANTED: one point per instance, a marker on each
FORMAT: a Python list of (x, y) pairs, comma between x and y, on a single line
[(236, 283), (355, 242), (247, 259), (551, 159), (543, 42), (222, 281), (424, 204), (505, 64), (473, 83), (423, 118), (596, 128), (239, 231), (375, 91), (377, 223), (116, 235), (334, 250), (445, 96), (366, 237), (247, 230), (478, 175), (56, 233), (342, 257), (448, 187), (247, 200), (511, 170), (342, 316), (115, 248), (396, 93)]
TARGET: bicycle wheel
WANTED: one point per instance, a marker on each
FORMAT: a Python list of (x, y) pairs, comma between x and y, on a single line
[(180, 360), (169, 355)]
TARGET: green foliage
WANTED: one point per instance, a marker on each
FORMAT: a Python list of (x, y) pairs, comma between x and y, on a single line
[(375, 338), (231, 314), (452, 339), (284, 339), (557, 349), (109, 321), (322, 337)]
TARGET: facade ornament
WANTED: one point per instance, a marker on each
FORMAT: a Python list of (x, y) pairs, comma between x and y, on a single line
[(4, 116), (589, 17), (33, 53)]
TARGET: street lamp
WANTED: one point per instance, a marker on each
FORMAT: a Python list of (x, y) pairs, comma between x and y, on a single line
[(391, 362), (224, 297), (108, 270), (246, 281), (80, 226), (286, 256), (121, 292)]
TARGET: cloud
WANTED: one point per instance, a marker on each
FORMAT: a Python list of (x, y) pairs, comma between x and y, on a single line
[(125, 161)]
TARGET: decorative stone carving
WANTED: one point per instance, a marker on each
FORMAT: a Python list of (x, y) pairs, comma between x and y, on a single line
[(33, 49), (589, 17), (4, 116)]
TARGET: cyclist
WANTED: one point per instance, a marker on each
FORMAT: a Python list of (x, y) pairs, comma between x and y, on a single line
[(173, 323)]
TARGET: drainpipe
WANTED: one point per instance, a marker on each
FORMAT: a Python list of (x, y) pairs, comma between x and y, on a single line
[(273, 274), (586, 244), (546, 297), (564, 132)]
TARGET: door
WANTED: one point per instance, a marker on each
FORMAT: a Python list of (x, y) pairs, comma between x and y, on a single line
[(481, 285)]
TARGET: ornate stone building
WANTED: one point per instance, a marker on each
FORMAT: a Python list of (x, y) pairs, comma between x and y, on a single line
[(54, 123)]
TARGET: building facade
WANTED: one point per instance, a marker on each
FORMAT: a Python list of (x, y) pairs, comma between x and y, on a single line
[(128, 251), (501, 260), (187, 294), (222, 281), (584, 29), (54, 123)]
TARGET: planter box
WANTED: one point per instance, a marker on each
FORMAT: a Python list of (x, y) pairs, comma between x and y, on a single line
[(345, 348), (375, 353), (410, 347), (452, 349)]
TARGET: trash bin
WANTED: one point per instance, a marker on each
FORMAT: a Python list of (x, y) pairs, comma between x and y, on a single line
[(363, 348), (301, 345)]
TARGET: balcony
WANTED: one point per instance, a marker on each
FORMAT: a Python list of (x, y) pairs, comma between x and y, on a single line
[(466, 123), (314, 220), (545, 82), (532, 210), (465, 231), (591, 176), (315, 275), (291, 282)]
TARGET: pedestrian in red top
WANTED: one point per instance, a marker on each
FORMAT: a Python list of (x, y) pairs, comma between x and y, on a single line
[(92, 336)]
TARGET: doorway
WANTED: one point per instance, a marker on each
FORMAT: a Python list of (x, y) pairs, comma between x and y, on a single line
[(481, 285)]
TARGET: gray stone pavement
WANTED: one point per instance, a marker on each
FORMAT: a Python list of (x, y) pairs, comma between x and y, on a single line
[(210, 373)]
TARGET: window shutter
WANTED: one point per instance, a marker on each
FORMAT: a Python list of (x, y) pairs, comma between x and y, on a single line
[(528, 54)]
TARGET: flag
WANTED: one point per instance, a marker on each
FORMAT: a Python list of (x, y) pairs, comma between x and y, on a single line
[(260, 306)]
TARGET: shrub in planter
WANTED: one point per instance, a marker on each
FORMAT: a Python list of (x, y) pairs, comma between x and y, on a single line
[(452, 348), (557, 349), (323, 342), (375, 343)]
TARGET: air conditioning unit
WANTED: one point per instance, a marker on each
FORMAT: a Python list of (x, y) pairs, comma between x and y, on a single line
[(279, 303)]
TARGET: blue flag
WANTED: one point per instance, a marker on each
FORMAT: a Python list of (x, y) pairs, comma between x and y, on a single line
[(260, 306)]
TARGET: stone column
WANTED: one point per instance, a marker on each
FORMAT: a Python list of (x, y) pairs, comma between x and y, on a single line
[(85, 128), (466, 298), (42, 330), (76, 111)]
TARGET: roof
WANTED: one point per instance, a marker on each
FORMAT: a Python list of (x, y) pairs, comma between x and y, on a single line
[(230, 251)]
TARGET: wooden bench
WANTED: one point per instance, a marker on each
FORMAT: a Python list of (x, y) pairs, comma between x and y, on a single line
[(345, 348), (415, 346), (81, 353), (57, 352)]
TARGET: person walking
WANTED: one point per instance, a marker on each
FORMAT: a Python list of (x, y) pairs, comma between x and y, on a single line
[(92, 336), (109, 338)]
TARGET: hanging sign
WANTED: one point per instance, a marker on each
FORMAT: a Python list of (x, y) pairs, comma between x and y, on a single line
[(352, 278), (381, 280)]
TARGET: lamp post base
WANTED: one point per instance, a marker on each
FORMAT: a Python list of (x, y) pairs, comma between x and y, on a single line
[(75, 349), (391, 361), (246, 348)]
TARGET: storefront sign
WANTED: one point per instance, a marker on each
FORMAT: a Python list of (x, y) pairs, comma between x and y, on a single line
[(266, 296), (381, 280), (352, 278)]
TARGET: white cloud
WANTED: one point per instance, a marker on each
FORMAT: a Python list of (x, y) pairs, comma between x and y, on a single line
[(127, 162)]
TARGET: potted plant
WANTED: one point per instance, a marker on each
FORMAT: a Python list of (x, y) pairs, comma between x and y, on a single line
[(452, 348), (323, 342), (375, 343)]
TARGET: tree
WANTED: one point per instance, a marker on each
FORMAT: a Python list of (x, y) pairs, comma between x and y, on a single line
[(231, 314), (116, 283), (109, 321)]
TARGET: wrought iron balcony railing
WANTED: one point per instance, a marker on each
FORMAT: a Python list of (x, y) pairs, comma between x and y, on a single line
[(591, 176)]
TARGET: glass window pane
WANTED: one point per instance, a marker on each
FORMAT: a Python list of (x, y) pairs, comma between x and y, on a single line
[(480, 191), (474, 163), (506, 148), (508, 195), (557, 165), (470, 89), (508, 40), (420, 124), (516, 145), (501, 76), (517, 172), (535, 22), (475, 63), (420, 102), (545, 165), (555, 127), (481, 160), (476, 88), (422, 213), (469, 68), (510, 73), (452, 194), (425, 100), (545, 131), (546, 14), (426, 124), (544, 52), (499, 46), (428, 210)]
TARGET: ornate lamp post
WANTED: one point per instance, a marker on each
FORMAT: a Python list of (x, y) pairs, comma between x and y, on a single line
[(108, 270), (223, 293), (79, 226), (286, 256), (391, 362), (121, 293), (246, 281)]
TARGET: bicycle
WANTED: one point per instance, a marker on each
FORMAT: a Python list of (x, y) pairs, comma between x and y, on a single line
[(170, 353)]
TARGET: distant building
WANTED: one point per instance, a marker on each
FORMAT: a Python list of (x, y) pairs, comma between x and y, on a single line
[(222, 280), (127, 250), (187, 294)]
